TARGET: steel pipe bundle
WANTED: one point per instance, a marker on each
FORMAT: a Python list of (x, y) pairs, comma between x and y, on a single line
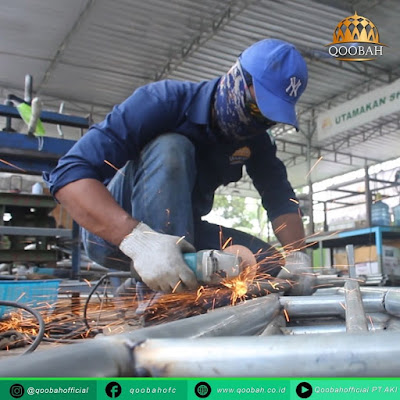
[(222, 343), (111, 355)]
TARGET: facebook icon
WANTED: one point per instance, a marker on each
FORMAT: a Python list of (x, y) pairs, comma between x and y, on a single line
[(113, 390)]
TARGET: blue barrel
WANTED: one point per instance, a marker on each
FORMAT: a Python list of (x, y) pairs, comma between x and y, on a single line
[(396, 215), (380, 215)]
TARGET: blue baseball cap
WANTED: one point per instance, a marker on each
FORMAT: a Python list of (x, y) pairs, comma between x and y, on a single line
[(279, 75)]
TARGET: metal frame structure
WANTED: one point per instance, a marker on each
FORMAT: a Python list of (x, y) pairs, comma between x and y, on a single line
[(21, 152), (249, 339)]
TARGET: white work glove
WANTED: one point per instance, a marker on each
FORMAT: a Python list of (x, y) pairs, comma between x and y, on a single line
[(298, 271), (157, 258)]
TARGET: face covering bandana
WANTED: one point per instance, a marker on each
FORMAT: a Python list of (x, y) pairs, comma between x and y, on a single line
[(234, 110)]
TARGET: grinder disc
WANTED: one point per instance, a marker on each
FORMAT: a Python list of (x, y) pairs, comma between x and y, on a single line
[(249, 262)]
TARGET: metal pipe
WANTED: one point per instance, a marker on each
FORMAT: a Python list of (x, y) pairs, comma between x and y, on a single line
[(326, 329), (109, 356), (351, 261), (376, 321), (390, 297), (8, 126), (368, 196), (366, 290), (330, 291), (331, 281), (28, 89), (392, 302), (245, 319), (356, 320), (310, 306), (342, 355), (314, 329), (260, 288), (316, 306), (393, 324), (378, 318), (274, 327)]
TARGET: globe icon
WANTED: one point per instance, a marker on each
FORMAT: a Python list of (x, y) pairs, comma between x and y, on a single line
[(356, 29)]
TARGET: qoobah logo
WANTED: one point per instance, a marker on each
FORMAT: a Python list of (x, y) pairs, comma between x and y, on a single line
[(356, 38)]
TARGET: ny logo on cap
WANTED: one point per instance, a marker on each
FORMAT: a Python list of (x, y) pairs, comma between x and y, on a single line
[(293, 86)]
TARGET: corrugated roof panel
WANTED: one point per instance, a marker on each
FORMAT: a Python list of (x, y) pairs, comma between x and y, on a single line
[(99, 56)]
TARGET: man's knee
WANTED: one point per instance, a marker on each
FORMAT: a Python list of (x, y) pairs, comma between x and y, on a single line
[(174, 152)]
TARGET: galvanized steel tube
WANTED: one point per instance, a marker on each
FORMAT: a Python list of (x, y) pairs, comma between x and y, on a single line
[(314, 329), (349, 354), (392, 302), (317, 306), (356, 320)]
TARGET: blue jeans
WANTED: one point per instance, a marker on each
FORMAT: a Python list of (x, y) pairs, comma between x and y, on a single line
[(157, 189)]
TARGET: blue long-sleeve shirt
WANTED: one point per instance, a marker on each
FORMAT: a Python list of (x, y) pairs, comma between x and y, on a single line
[(185, 108)]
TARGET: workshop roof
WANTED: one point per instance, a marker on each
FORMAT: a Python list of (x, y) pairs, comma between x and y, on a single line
[(91, 54)]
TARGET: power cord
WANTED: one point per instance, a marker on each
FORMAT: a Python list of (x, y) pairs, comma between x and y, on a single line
[(117, 274), (63, 338), (39, 318)]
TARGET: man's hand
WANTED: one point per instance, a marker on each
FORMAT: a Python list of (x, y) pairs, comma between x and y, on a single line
[(157, 258), (298, 270)]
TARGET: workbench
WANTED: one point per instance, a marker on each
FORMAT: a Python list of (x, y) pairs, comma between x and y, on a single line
[(364, 237)]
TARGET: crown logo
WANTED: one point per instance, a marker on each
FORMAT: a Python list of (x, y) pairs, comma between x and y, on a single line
[(355, 38), (356, 29)]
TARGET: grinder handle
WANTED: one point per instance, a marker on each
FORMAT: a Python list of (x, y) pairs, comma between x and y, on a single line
[(191, 261)]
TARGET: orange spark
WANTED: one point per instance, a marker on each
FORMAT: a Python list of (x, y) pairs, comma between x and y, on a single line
[(226, 243), (372, 324), (180, 239), (286, 315), (176, 286), (200, 291), (11, 165), (273, 284), (279, 228), (20, 297), (220, 237), (114, 167), (88, 282), (283, 267), (319, 160), (294, 201)]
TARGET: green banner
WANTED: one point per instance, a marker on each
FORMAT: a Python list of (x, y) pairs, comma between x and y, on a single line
[(199, 388)]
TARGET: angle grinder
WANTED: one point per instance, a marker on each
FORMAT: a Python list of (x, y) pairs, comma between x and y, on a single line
[(211, 267)]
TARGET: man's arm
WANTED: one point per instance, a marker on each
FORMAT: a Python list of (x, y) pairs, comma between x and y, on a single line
[(157, 257), (91, 205), (289, 230)]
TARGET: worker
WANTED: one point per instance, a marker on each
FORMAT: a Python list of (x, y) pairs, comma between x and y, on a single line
[(140, 181)]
